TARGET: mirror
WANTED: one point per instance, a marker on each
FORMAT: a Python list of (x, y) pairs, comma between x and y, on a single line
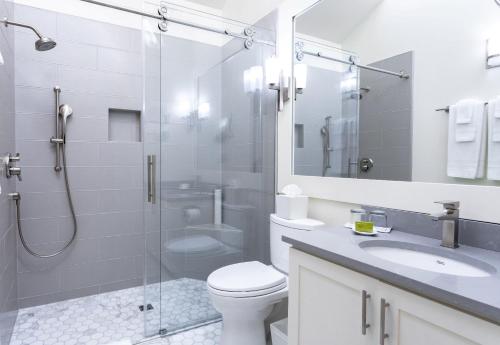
[(396, 90)]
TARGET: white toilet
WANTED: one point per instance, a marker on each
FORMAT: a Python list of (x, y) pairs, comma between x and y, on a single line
[(245, 293)]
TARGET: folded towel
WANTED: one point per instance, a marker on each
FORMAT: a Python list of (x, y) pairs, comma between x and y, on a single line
[(496, 111), (467, 140), (494, 139), (464, 111)]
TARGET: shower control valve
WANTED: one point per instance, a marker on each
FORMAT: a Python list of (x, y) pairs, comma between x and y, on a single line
[(10, 168)]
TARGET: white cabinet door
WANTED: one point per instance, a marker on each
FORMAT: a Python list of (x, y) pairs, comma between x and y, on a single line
[(326, 303), (325, 308), (414, 320)]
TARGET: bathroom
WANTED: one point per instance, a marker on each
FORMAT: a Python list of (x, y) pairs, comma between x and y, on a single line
[(249, 172)]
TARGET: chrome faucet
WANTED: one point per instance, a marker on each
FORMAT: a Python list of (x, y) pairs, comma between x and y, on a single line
[(450, 223)]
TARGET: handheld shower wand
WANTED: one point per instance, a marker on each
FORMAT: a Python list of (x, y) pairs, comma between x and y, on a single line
[(63, 112)]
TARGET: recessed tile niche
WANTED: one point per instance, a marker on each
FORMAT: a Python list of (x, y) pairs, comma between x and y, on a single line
[(124, 125)]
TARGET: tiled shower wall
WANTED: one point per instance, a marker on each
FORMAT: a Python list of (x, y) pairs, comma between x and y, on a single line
[(8, 256), (385, 120), (98, 66), (323, 98)]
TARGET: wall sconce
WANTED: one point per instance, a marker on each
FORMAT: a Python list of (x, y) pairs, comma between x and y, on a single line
[(204, 110), (253, 79), (275, 80), (493, 53), (300, 77)]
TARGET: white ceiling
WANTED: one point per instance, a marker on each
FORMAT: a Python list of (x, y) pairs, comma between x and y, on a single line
[(218, 4), (333, 20)]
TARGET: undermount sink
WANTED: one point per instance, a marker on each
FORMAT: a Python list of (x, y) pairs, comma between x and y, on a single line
[(433, 259)]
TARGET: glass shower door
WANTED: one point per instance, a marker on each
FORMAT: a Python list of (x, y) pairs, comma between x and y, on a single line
[(214, 147), (151, 137)]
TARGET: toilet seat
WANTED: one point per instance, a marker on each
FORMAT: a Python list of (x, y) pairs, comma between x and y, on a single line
[(247, 279)]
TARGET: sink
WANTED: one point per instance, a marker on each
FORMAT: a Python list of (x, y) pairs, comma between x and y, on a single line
[(433, 259)]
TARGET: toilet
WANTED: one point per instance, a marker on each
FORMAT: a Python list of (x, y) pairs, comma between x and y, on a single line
[(246, 293)]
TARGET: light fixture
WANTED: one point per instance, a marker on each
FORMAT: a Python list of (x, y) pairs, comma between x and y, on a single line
[(183, 107), (300, 77), (273, 71), (493, 53), (276, 80), (204, 110), (253, 79)]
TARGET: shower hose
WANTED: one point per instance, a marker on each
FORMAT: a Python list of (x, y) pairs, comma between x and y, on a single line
[(71, 207)]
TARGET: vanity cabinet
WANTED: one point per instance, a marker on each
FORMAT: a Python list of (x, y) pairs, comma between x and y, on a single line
[(326, 308)]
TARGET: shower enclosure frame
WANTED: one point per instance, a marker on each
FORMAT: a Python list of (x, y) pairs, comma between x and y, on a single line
[(153, 160)]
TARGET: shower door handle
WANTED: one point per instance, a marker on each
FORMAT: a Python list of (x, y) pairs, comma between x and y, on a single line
[(152, 179)]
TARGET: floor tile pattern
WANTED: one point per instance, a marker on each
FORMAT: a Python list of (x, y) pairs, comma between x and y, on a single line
[(114, 317), (206, 335)]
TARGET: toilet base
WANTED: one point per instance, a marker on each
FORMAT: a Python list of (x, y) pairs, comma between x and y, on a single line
[(245, 329)]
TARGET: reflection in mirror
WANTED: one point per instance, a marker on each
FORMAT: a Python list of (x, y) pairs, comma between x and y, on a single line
[(395, 90)]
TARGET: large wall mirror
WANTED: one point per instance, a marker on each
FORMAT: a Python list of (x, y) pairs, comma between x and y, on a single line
[(398, 90)]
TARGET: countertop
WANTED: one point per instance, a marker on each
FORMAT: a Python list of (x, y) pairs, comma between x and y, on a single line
[(478, 296)]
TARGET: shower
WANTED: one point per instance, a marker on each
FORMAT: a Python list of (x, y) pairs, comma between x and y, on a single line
[(325, 135), (43, 43), (63, 112)]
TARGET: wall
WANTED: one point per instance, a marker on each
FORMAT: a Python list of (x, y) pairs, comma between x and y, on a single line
[(385, 120), (449, 63), (333, 196), (8, 255), (98, 66)]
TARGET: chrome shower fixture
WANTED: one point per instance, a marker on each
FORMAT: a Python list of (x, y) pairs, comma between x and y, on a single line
[(43, 43), (65, 111), (497, 2)]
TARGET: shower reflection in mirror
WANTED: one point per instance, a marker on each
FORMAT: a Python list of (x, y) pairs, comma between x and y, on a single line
[(347, 113)]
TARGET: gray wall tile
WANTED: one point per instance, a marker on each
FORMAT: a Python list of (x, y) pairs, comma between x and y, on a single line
[(385, 121), (8, 239)]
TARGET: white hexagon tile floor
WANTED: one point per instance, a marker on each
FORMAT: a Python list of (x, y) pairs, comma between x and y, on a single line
[(114, 317)]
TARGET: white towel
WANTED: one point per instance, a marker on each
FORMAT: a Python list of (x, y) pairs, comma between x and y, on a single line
[(494, 139), (467, 140)]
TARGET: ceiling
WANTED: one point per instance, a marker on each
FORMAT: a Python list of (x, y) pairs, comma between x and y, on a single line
[(333, 20)]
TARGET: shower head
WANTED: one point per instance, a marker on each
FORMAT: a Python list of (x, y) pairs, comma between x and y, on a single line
[(42, 44), (65, 111)]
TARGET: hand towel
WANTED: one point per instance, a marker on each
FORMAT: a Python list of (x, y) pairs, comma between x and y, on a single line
[(467, 140), (494, 139)]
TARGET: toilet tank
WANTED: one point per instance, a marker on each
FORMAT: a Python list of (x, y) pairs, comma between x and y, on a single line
[(284, 227)]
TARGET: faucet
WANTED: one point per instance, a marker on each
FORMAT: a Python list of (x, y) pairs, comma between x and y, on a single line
[(450, 223)]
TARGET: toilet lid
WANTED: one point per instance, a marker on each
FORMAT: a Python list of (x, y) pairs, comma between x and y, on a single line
[(246, 277)]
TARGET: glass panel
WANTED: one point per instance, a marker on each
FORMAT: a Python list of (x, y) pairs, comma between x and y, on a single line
[(326, 113), (217, 163), (152, 154)]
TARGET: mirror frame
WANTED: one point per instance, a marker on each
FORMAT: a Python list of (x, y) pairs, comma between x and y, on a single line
[(478, 202)]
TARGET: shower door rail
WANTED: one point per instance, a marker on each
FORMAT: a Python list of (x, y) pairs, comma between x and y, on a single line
[(247, 35)]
